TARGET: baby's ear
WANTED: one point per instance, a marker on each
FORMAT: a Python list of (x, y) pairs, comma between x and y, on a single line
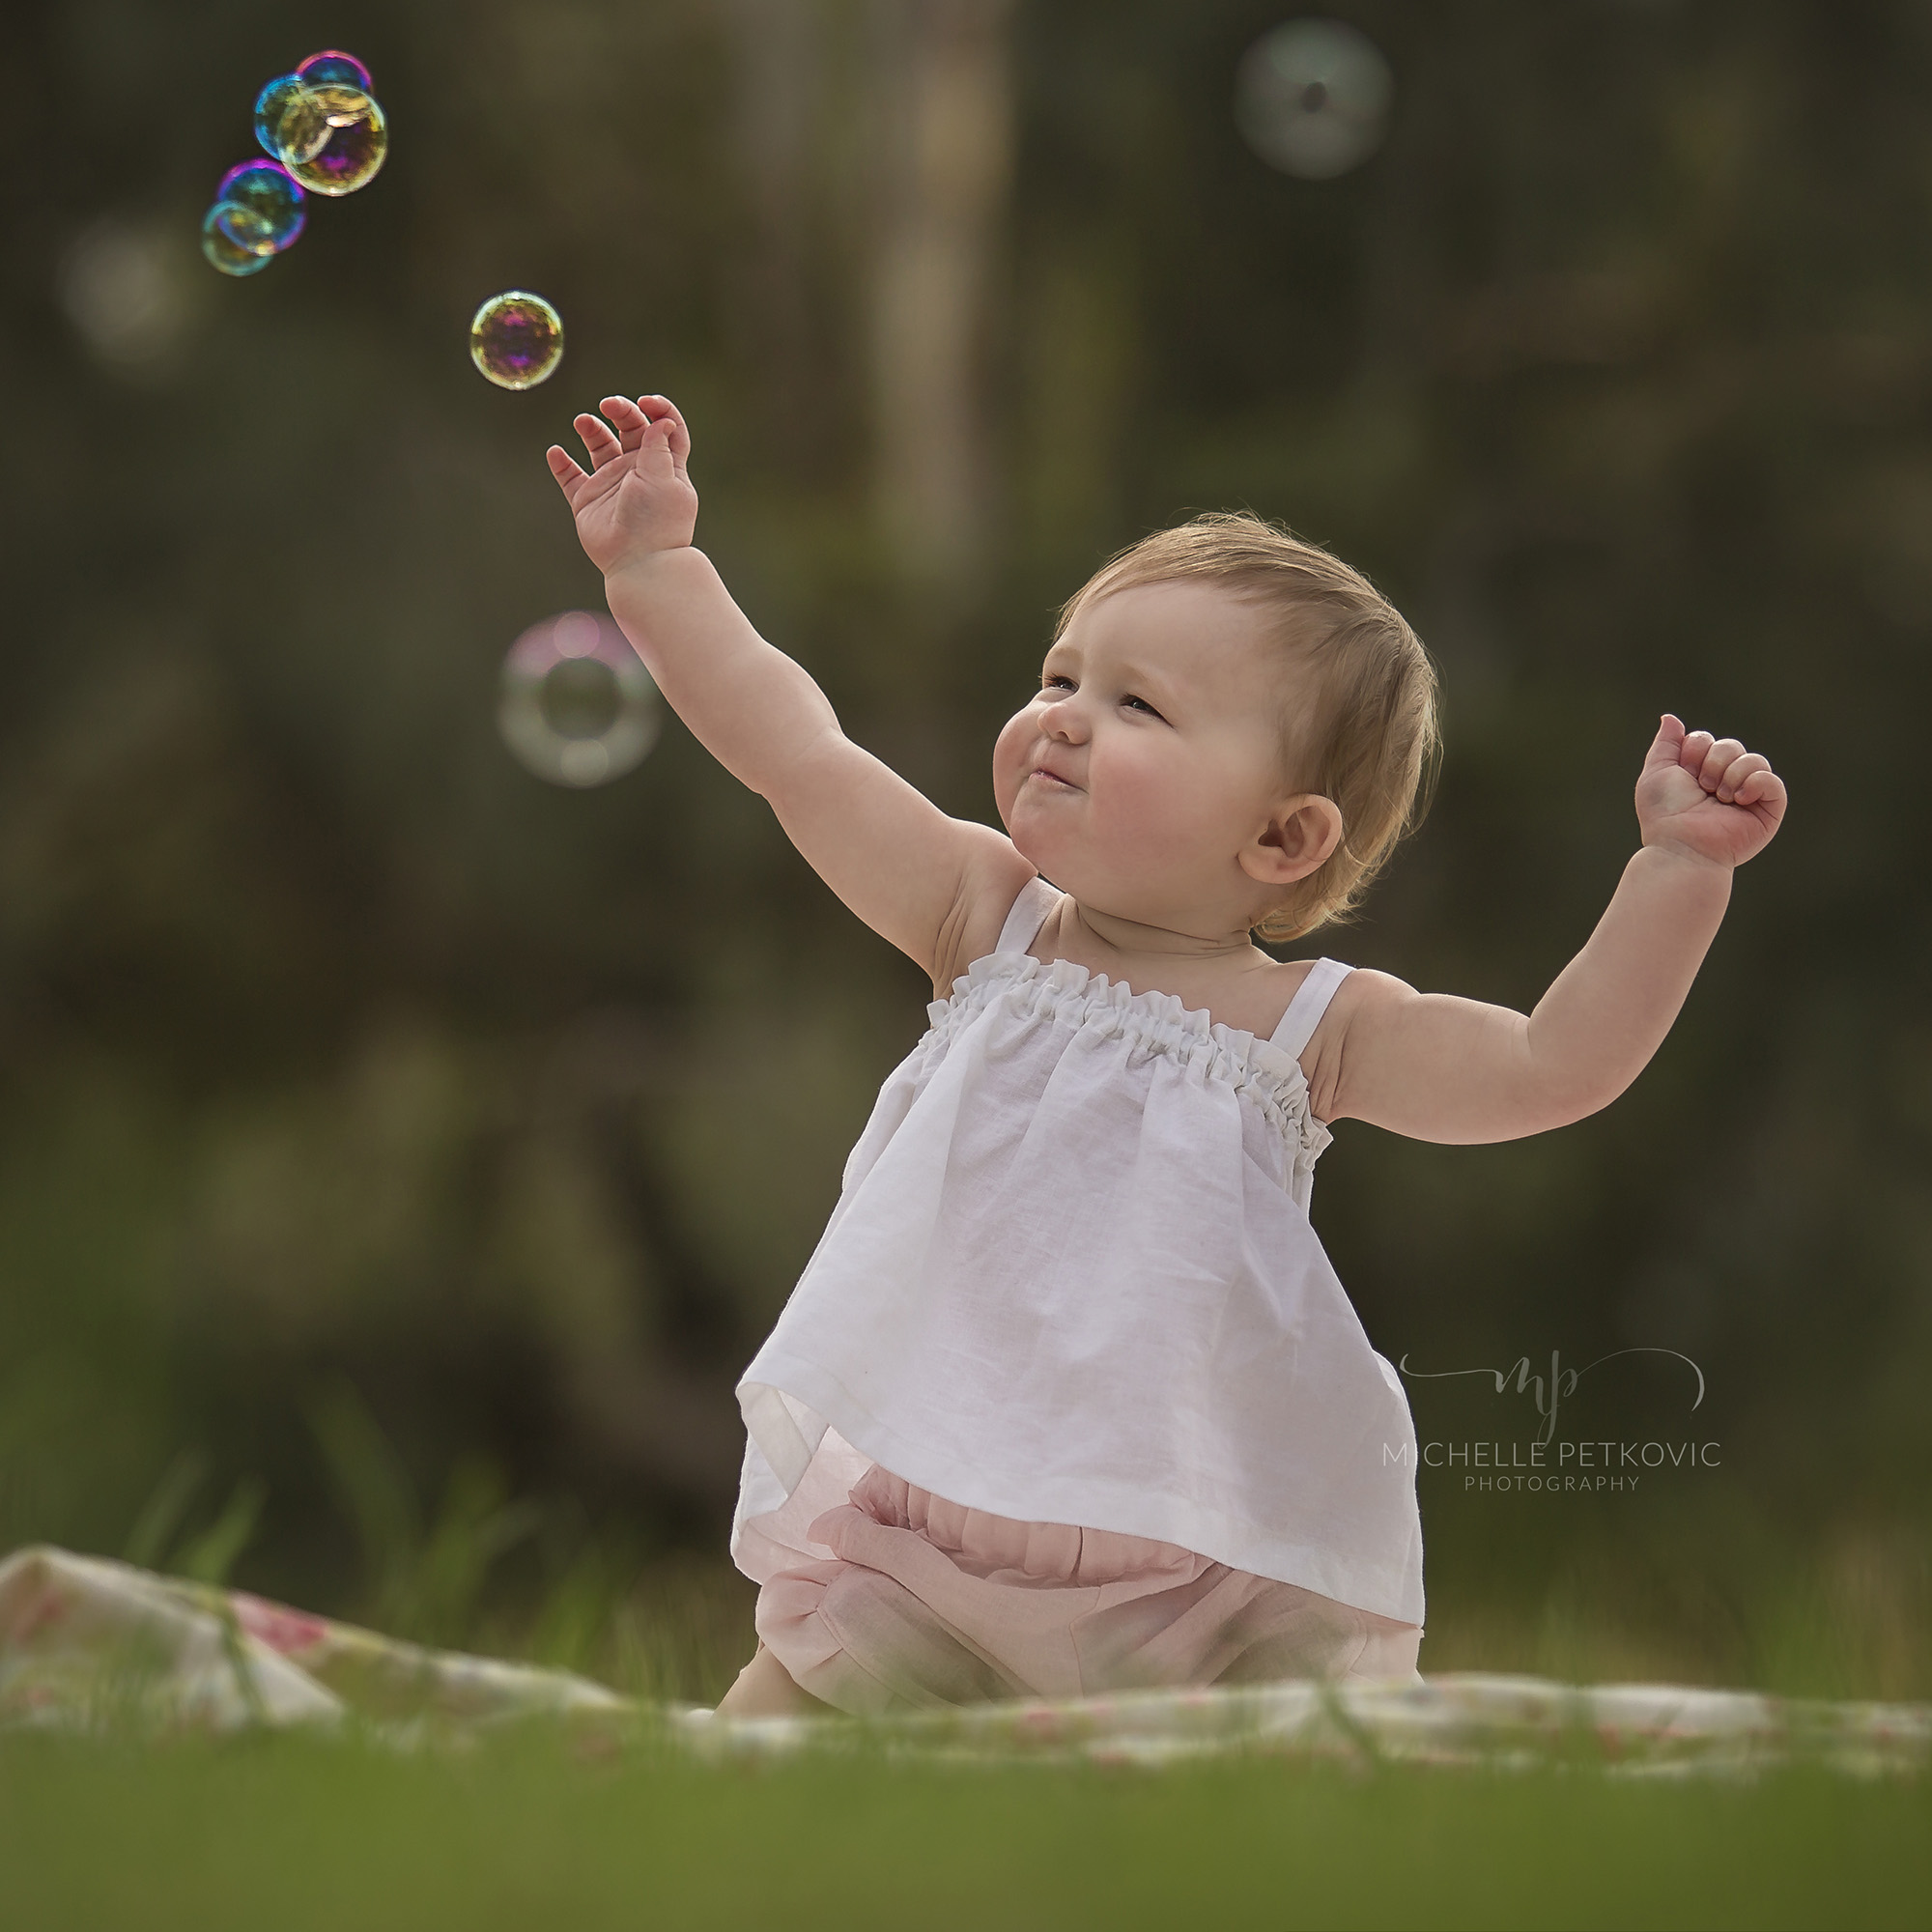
[(1298, 839)]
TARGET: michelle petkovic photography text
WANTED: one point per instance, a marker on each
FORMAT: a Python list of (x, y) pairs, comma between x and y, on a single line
[(1547, 1464)]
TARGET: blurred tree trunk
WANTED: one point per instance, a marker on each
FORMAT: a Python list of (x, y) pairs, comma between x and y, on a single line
[(943, 84)]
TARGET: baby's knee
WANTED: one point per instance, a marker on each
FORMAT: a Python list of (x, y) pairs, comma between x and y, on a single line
[(766, 1688)]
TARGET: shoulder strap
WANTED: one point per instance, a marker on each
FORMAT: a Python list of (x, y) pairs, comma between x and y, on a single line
[(1304, 1011), (1036, 898)]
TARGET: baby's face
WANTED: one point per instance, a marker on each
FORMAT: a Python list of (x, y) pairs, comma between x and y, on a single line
[(1151, 756)]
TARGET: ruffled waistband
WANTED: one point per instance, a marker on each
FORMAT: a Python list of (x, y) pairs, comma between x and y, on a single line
[(1064, 994)]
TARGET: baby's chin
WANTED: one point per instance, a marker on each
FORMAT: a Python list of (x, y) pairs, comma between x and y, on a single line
[(1068, 863), (1040, 853), (1038, 833)]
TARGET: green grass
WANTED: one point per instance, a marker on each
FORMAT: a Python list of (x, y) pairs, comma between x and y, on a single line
[(276, 1834), (285, 1833)]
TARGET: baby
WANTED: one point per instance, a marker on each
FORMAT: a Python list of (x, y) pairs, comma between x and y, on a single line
[(1070, 1399)]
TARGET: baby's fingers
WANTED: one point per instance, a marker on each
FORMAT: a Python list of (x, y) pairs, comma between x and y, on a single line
[(663, 413), (601, 445), (1723, 754), (565, 469), (631, 424), (1666, 746), (1730, 780), (1763, 792), (1694, 750)]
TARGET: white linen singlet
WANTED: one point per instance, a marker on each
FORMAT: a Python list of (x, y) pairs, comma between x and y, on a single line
[(1071, 1279)]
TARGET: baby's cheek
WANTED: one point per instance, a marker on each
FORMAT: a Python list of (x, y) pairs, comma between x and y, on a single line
[(1010, 752), (1149, 807)]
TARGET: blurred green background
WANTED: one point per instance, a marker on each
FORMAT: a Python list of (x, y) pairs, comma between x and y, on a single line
[(400, 1158)]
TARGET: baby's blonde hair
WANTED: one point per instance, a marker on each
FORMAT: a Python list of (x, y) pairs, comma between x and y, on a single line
[(1370, 738)]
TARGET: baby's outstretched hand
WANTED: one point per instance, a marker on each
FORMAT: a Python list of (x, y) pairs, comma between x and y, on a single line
[(1707, 797), (636, 497)]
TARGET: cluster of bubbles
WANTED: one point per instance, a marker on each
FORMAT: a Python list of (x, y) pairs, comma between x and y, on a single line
[(325, 133), (517, 339), (578, 708), (1312, 98)]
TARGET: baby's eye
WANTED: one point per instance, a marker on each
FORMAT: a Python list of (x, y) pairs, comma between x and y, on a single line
[(1143, 704), (1059, 681)]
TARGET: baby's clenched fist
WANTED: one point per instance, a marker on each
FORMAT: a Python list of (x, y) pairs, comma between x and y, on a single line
[(1706, 797)]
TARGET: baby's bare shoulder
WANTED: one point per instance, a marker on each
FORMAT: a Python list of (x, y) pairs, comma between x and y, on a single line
[(1365, 1001), (1364, 1004), (1268, 988), (1366, 990)]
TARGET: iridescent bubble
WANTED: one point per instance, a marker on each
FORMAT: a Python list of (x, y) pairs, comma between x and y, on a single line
[(289, 121), (355, 145), (246, 227), (517, 339), (232, 237), (578, 707), (334, 65), (1312, 98), (267, 189)]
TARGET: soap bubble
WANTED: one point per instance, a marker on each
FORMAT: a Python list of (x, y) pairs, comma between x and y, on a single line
[(245, 226), (289, 121), (267, 191), (235, 239), (517, 339), (577, 706), (354, 145), (334, 65), (1312, 98)]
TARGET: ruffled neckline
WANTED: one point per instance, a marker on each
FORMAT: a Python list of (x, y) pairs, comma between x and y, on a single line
[(1069, 995)]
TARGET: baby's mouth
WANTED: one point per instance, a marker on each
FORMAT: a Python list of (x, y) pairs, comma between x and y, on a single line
[(1052, 779)]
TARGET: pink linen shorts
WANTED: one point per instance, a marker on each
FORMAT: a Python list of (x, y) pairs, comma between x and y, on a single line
[(926, 1603)]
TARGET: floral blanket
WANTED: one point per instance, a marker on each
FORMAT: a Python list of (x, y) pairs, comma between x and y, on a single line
[(86, 1643)]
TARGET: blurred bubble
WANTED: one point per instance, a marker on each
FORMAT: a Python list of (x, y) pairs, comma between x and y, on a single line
[(122, 287), (245, 226), (290, 122), (1312, 98), (577, 706), (266, 189), (355, 146), (235, 239), (517, 339), (334, 65)]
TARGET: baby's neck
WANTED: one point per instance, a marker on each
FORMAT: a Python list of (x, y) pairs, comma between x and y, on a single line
[(1129, 937)]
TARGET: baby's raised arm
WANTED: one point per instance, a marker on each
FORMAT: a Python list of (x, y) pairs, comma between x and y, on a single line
[(1439, 1069), (908, 870)]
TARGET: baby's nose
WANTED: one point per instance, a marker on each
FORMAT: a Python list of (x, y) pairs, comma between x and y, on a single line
[(1063, 721)]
